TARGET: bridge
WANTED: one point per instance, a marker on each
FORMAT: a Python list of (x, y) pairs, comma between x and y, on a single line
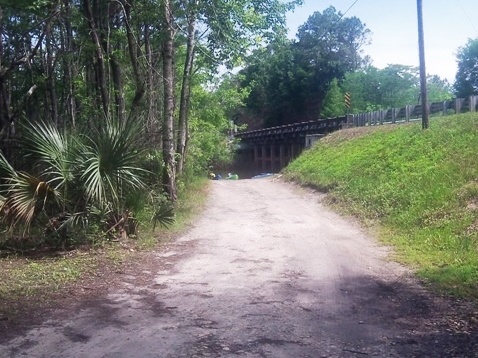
[(271, 149)]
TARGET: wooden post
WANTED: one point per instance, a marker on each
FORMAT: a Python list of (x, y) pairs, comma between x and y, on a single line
[(408, 110), (273, 157), (281, 157), (473, 103), (350, 120), (458, 103), (257, 161), (264, 157)]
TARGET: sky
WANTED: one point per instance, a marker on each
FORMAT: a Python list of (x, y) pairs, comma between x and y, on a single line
[(394, 40)]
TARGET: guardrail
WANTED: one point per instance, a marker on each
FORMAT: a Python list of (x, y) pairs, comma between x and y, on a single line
[(294, 131), (298, 131), (411, 112)]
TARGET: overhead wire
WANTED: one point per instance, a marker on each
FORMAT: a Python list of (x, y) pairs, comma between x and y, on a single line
[(350, 7), (468, 17)]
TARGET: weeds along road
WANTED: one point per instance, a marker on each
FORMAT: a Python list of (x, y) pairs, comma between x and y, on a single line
[(266, 271)]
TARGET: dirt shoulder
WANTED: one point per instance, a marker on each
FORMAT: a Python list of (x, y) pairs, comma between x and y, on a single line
[(266, 271)]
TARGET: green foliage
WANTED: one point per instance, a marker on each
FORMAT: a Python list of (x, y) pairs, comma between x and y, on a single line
[(466, 81), (235, 26), (163, 215), (333, 105), (210, 144), (76, 181), (110, 159), (392, 87), (420, 186), (289, 79)]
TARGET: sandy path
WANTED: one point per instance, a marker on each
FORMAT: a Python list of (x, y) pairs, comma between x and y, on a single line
[(266, 271)]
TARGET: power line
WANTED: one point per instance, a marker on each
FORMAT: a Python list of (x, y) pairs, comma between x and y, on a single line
[(351, 6), (468, 17)]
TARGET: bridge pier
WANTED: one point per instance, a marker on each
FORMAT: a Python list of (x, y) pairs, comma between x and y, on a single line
[(272, 157), (271, 149)]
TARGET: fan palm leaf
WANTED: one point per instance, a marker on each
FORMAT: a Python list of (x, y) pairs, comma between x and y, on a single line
[(52, 151), (26, 197), (110, 162)]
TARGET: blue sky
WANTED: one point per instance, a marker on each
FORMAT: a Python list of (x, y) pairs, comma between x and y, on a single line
[(393, 23)]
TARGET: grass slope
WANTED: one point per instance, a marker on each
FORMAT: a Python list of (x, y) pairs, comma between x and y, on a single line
[(419, 186)]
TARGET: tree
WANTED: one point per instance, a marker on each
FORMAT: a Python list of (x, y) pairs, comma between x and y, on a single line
[(289, 79), (466, 80), (333, 105), (438, 89), (391, 87), (328, 47)]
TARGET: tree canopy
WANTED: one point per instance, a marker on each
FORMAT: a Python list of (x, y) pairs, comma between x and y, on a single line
[(306, 78), (466, 81), (391, 87), (71, 68), (290, 78)]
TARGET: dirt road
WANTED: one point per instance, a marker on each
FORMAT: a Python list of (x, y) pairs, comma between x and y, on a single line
[(266, 271)]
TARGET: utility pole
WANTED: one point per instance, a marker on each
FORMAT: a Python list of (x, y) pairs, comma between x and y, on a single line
[(423, 72)]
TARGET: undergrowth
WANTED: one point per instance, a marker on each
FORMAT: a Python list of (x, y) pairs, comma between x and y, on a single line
[(419, 186), (32, 278)]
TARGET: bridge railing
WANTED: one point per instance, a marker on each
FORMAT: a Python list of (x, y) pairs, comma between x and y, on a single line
[(294, 131), (413, 112), (298, 131)]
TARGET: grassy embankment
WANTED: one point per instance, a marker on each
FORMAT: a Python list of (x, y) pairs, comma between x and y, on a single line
[(419, 188), (31, 280)]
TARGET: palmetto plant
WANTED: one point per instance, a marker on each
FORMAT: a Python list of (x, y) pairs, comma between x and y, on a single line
[(73, 176), (110, 160)]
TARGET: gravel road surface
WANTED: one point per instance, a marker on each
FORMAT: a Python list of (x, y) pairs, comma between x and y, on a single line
[(266, 271)]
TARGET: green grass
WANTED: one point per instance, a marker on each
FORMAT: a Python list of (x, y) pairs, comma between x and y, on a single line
[(33, 281), (30, 282), (420, 187), (190, 202)]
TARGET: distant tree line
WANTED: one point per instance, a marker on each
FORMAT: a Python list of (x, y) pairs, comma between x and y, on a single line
[(306, 78)]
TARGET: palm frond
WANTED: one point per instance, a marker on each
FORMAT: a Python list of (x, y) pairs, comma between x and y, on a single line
[(51, 150), (111, 162), (6, 170), (164, 216), (26, 197)]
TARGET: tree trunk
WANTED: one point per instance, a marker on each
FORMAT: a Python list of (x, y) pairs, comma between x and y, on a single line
[(4, 104), (8, 115), (50, 82), (117, 78), (183, 129), (153, 125), (69, 65), (116, 72), (100, 60), (169, 176), (139, 83)]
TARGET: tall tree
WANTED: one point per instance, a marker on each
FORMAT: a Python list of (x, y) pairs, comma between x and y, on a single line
[(289, 79), (169, 178), (466, 81), (329, 46)]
